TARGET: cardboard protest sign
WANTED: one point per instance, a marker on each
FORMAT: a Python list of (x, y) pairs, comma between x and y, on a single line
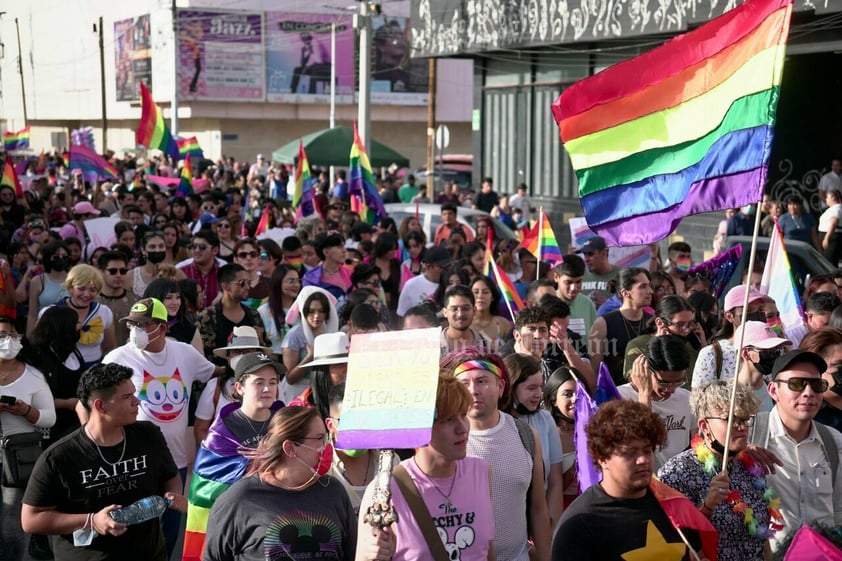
[(390, 392)]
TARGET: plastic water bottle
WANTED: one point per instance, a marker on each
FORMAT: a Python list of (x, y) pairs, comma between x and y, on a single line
[(145, 509)]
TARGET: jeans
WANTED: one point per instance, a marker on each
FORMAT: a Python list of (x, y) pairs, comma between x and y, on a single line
[(170, 521), (12, 538)]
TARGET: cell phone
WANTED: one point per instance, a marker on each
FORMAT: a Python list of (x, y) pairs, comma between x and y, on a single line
[(8, 399)]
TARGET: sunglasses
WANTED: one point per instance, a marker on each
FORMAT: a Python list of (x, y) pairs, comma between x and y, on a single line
[(800, 384), (264, 256), (223, 225), (247, 254), (242, 282), (114, 271), (199, 247)]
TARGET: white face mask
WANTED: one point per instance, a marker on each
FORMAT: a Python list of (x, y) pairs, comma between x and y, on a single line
[(140, 338), (9, 348), (233, 361)]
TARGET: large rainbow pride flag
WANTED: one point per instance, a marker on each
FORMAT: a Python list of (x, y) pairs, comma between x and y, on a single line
[(683, 129), (152, 131)]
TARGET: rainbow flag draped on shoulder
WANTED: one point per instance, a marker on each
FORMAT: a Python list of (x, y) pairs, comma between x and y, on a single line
[(16, 140), (152, 131), (218, 465), (683, 129), (362, 185)]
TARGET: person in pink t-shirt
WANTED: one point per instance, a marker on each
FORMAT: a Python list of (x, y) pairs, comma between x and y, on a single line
[(455, 488)]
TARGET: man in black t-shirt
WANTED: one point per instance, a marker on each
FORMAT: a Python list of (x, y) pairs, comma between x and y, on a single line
[(628, 515), (109, 463)]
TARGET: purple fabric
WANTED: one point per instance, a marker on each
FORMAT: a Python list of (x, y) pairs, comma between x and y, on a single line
[(719, 269), (703, 196), (398, 438), (809, 545), (606, 390), (585, 469)]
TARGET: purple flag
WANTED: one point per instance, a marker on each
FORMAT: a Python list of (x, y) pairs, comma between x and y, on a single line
[(585, 469), (605, 390)]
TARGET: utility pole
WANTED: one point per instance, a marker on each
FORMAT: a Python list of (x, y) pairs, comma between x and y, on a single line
[(363, 25), (174, 104), (431, 128), (332, 91), (102, 85), (20, 69)]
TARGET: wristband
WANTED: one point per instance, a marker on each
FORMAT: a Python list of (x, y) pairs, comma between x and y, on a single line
[(27, 411)]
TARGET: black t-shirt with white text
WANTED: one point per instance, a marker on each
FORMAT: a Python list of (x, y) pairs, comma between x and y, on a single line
[(72, 476)]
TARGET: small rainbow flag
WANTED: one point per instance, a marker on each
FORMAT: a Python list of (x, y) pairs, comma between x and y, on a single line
[(265, 221), (361, 183), (189, 146), (185, 184), (644, 157), (152, 131), (16, 140), (65, 159), (91, 163), (10, 178), (489, 251), (507, 289), (303, 196), (540, 241)]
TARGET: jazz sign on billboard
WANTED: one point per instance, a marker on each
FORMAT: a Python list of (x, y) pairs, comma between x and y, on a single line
[(132, 56), (221, 55), (298, 60)]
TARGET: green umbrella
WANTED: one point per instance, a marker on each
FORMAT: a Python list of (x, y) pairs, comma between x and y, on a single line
[(332, 147)]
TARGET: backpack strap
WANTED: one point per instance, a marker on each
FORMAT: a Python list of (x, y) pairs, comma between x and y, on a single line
[(830, 449), (420, 513), (717, 353), (527, 438)]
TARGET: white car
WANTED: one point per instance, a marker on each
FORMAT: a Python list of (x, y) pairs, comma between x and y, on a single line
[(430, 216)]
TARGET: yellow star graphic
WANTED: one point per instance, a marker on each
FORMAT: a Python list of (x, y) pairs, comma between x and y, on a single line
[(656, 548)]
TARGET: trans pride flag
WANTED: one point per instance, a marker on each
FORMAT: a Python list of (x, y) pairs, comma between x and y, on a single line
[(152, 131), (16, 140), (683, 129)]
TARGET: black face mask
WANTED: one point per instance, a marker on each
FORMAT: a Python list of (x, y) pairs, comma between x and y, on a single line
[(156, 256), (767, 361), (521, 409), (60, 263), (837, 381)]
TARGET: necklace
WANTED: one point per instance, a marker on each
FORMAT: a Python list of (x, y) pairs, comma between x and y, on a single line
[(99, 450), (632, 327), (447, 506), (756, 529), (72, 303), (257, 433)]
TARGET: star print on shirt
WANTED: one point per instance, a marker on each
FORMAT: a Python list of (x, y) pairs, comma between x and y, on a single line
[(656, 548)]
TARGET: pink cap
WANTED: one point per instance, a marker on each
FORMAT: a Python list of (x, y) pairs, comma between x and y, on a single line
[(758, 335), (737, 295), (84, 207)]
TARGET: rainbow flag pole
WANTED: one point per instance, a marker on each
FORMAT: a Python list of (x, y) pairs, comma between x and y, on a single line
[(540, 240)]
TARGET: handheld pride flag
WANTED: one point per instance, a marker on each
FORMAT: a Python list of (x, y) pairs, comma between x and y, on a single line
[(10, 178), (507, 288), (152, 131), (302, 197), (586, 407), (547, 246), (91, 163), (16, 140), (189, 147), (362, 184), (777, 282), (185, 183), (644, 158)]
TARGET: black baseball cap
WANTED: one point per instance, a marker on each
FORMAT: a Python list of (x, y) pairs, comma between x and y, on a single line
[(253, 362), (797, 355), (595, 243), (437, 255)]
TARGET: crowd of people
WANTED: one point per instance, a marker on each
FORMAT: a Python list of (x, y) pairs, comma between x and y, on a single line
[(192, 361)]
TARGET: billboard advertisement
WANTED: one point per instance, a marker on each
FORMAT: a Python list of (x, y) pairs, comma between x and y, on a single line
[(132, 56), (298, 57), (396, 78), (220, 55)]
